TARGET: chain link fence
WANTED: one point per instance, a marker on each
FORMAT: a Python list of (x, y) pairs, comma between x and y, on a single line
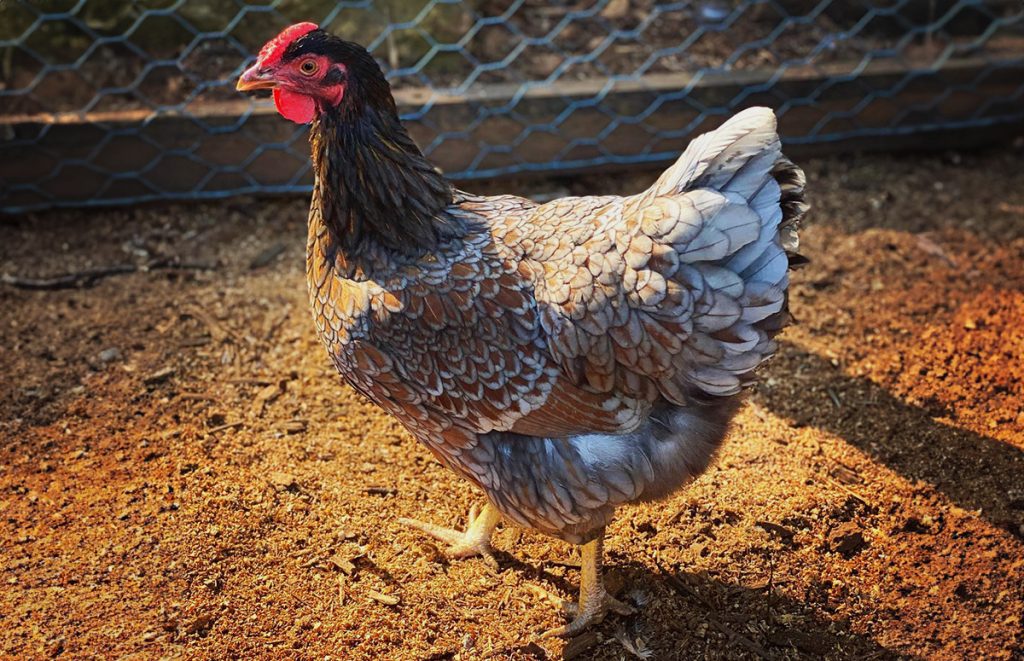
[(110, 101)]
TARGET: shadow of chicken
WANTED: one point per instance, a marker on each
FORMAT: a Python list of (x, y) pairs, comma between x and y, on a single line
[(567, 358)]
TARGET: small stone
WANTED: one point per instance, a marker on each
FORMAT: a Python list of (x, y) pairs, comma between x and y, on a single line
[(109, 355)]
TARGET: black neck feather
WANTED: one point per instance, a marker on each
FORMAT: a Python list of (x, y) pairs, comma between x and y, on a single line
[(374, 186)]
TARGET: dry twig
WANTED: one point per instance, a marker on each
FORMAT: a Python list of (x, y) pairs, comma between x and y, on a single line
[(89, 277)]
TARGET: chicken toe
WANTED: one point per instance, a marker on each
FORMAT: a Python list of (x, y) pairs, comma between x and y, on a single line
[(472, 542), (595, 602)]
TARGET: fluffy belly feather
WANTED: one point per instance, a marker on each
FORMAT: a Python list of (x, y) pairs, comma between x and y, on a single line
[(569, 487)]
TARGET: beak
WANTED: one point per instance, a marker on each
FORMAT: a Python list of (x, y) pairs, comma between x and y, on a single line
[(254, 79)]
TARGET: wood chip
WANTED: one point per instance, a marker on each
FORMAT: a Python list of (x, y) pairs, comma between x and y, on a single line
[(849, 544), (197, 396), (782, 532), (251, 381), (344, 564), (846, 475), (265, 396), (386, 599), (273, 325), (227, 425), (159, 376), (928, 245), (615, 9), (217, 331), (283, 480), (295, 426)]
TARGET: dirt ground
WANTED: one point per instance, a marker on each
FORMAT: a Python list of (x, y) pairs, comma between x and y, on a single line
[(184, 475)]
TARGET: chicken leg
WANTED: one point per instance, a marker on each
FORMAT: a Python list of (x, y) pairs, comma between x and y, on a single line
[(595, 602), (474, 541)]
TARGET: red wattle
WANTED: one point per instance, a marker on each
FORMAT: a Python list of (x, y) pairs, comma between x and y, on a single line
[(299, 108), (337, 94)]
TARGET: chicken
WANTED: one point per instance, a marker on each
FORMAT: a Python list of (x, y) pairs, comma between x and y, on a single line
[(567, 358)]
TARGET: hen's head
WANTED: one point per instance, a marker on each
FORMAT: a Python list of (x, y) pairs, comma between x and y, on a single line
[(312, 72)]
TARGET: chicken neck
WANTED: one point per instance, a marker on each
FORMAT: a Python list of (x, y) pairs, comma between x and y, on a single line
[(376, 190)]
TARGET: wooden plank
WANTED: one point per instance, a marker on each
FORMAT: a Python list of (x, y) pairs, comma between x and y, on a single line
[(576, 126)]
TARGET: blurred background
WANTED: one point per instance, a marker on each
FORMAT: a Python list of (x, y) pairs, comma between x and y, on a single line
[(110, 101)]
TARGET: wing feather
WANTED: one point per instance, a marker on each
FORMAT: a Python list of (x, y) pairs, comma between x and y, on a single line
[(577, 315), (692, 280)]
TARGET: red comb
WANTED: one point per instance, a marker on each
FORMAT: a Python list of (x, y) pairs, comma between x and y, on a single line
[(275, 48)]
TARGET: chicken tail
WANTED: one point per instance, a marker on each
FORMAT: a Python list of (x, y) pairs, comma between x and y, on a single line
[(750, 199), (736, 158), (791, 181)]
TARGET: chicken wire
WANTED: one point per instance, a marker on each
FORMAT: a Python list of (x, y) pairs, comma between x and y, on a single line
[(106, 102)]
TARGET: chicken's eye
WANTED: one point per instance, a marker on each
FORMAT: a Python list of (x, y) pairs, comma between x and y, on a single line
[(308, 67)]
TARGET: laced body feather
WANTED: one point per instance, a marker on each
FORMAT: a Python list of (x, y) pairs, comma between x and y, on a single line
[(566, 357)]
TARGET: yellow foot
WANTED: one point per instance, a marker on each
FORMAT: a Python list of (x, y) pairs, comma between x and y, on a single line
[(474, 541), (595, 602), (592, 611)]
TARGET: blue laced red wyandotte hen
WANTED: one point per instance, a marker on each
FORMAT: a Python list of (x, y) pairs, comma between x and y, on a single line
[(567, 358)]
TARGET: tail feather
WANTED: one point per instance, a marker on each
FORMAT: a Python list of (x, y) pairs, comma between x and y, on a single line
[(732, 158), (791, 181), (743, 161), (744, 156)]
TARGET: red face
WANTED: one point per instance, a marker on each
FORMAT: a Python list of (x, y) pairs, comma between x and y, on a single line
[(302, 84)]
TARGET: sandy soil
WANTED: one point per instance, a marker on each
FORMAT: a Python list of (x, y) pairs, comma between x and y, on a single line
[(184, 475)]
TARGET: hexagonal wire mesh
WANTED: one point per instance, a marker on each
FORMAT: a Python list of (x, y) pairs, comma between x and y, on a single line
[(105, 101)]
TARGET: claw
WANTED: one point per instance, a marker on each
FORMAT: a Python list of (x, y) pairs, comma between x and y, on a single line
[(474, 541), (591, 613)]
